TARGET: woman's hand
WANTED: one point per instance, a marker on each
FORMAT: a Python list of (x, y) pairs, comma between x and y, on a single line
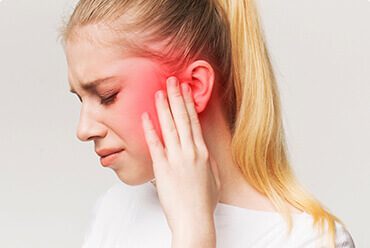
[(186, 175)]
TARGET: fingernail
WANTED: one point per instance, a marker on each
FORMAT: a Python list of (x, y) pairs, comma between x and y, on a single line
[(173, 82), (159, 94), (145, 116)]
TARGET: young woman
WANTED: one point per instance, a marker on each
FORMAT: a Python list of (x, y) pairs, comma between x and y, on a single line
[(181, 93)]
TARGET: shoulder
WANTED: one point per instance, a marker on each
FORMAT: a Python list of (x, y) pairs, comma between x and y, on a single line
[(343, 238), (307, 234), (119, 196), (110, 199), (113, 211)]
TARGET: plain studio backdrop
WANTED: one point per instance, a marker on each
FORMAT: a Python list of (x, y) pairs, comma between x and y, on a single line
[(49, 180)]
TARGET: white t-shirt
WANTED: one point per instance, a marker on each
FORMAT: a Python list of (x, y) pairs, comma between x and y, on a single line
[(128, 216)]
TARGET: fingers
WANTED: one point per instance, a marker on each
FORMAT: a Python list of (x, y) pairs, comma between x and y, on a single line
[(193, 118), (180, 114), (154, 143), (169, 131), (178, 120)]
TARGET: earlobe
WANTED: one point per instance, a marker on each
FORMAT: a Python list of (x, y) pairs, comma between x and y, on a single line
[(202, 78)]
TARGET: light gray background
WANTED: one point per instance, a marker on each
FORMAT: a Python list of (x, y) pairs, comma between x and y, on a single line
[(49, 180)]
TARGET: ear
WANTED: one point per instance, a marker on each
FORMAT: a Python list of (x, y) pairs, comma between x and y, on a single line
[(200, 76)]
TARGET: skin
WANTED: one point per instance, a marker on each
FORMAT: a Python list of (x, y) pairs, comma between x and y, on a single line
[(119, 124), (184, 171)]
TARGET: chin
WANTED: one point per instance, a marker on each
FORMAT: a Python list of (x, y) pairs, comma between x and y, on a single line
[(134, 179)]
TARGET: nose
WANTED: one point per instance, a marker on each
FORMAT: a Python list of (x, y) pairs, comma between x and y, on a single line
[(89, 127)]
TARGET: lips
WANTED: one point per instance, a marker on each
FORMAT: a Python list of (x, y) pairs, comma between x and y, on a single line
[(109, 159), (108, 151)]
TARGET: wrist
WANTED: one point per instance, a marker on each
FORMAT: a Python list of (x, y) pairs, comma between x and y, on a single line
[(194, 241), (200, 234)]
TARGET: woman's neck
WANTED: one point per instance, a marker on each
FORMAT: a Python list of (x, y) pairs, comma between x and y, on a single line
[(235, 190)]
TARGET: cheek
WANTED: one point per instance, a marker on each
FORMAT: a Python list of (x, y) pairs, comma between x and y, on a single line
[(136, 103)]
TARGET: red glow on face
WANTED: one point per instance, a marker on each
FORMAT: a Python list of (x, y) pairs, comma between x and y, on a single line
[(119, 124), (142, 99)]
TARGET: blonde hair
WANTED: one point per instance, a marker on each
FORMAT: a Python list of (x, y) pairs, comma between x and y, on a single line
[(226, 33)]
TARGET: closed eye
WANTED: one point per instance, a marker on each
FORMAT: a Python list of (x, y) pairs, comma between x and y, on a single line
[(109, 100), (104, 100)]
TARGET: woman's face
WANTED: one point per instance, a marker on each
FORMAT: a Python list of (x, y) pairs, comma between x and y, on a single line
[(111, 109)]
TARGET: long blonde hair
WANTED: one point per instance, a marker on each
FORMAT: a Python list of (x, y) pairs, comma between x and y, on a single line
[(226, 33)]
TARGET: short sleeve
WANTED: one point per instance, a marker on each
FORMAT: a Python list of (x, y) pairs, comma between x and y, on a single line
[(343, 238)]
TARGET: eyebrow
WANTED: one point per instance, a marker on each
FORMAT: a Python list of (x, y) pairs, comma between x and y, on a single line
[(90, 86)]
